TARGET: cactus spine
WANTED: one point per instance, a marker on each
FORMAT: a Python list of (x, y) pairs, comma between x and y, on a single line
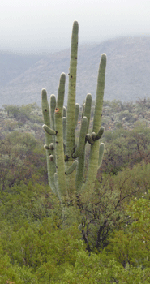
[(65, 160)]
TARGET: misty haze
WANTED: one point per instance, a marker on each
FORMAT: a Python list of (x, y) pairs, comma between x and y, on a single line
[(35, 48)]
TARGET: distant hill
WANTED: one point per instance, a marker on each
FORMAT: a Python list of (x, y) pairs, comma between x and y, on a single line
[(127, 73)]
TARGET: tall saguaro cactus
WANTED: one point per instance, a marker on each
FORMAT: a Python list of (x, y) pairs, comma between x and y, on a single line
[(65, 160)]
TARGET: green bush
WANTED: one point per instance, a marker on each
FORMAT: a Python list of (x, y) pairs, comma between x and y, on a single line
[(132, 244)]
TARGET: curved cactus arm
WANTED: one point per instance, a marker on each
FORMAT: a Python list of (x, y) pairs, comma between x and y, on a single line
[(88, 139), (100, 133), (59, 151), (76, 114), (93, 137), (72, 167), (94, 153), (48, 140), (101, 154), (49, 130), (46, 147)]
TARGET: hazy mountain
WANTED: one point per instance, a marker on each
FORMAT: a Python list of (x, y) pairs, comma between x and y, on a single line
[(127, 72)]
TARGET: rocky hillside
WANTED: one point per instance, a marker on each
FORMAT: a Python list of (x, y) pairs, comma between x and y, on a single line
[(127, 72)]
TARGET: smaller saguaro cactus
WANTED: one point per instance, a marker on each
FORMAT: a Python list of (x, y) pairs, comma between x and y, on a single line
[(65, 160)]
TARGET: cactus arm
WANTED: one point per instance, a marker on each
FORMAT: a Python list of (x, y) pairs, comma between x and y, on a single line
[(80, 167), (52, 110), (76, 114), (87, 108), (64, 111), (83, 108), (92, 138), (100, 133), (99, 94), (49, 130), (52, 106), (45, 107), (48, 140), (82, 135), (88, 139), (94, 153), (61, 93), (80, 152), (64, 129), (46, 147), (60, 164), (72, 167)]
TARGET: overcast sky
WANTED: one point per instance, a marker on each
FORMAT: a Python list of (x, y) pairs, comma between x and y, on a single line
[(45, 25)]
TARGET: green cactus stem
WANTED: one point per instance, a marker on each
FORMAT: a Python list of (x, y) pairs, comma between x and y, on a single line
[(52, 111), (76, 114), (80, 166), (101, 154), (87, 107), (52, 106), (82, 135), (60, 163), (70, 118), (94, 152), (64, 111), (48, 140), (64, 130)]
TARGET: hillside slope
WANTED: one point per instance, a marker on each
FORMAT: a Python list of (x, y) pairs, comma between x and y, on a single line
[(127, 72)]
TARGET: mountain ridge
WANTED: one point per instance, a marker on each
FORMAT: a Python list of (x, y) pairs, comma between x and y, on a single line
[(127, 72)]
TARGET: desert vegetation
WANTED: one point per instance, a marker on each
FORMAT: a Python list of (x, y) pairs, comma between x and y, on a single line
[(105, 240)]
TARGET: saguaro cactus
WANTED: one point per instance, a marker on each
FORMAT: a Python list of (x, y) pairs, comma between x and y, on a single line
[(65, 160)]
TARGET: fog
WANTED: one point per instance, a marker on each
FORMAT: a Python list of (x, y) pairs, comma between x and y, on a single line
[(45, 25)]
